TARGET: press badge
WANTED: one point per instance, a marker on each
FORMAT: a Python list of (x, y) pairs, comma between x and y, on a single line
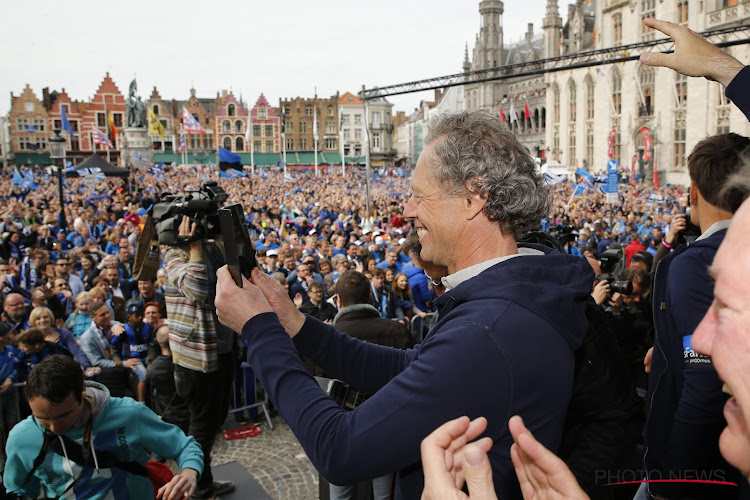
[(692, 359)]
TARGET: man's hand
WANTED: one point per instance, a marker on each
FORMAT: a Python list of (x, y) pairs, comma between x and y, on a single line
[(181, 486), (601, 292), (647, 360), (131, 362), (693, 55), (117, 330), (448, 461), (540, 473), (291, 319), (236, 306), (7, 385), (187, 229), (679, 223), (298, 300)]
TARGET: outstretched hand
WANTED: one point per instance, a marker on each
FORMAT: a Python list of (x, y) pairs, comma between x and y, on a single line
[(542, 475), (693, 55), (448, 461)]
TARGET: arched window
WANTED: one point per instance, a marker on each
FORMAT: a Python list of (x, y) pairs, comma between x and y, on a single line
[(238, 126), (572, 101), (556, 104), (231, 110), (226, 127), (239, 144), (589, 83), (646, 97), (228, 143), (543, 123), (616, 91), (156, 109)]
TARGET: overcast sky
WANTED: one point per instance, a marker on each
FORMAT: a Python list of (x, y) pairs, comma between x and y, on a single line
[(283, 48)]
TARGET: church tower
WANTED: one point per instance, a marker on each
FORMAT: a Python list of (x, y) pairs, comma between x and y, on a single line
[(488, 51), (552, 26)]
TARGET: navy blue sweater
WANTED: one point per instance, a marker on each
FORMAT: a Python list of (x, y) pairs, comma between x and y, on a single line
[(686, 401), (503, 345), (738, 91)]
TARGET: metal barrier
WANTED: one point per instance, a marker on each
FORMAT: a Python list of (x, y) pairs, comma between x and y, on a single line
[(420, 325), (258, 404)]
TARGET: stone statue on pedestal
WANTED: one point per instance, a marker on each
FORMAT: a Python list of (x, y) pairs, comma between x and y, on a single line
[(136, 109)]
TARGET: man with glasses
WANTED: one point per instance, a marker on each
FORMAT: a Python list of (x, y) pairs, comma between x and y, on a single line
[(62, 270), (8, 282), (62, 290), (14, 310)]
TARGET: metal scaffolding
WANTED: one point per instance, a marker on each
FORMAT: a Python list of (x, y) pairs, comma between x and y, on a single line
[(724, 37)]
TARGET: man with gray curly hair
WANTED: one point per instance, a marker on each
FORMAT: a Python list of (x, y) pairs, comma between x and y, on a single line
[(503, 343)]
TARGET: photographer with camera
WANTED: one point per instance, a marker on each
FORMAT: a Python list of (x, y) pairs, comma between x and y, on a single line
[(202, 349)]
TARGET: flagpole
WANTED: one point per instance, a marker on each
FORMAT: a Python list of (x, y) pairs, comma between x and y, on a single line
[(283, 145), (249, 137), (341, 144), (315, 130), (367, 155)]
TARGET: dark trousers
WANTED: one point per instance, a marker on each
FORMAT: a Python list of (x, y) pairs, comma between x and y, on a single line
[(207, 396)]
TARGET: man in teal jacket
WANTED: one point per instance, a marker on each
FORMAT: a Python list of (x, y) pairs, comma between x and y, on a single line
[(80, 440)]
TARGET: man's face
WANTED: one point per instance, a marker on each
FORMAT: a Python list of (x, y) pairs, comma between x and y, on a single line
[(724, 335), (289, 262), (316, 295), (340, 240), (146, 288), (112, 276), (5, 269), (103, 318), (15, 306), (351, 251), (57, 418), (303, 271), (436, 216), (390, 258), (124, 254), (152, 315), (59, 285), (378, 281), (38, 299), (61, 268), (294, 239)]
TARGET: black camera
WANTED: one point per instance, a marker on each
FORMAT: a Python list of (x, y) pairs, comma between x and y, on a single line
[(200, 206), (612, 264), (563, 233)]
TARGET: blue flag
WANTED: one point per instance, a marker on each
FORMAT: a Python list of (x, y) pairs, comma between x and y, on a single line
[(25, 180), (232, 173), (65, 123), (579, 189), (226, 156)]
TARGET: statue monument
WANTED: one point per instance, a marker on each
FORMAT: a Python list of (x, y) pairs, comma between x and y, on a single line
[(138, 148)]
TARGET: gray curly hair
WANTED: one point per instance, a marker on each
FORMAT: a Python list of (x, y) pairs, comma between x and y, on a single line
[(476, 153)]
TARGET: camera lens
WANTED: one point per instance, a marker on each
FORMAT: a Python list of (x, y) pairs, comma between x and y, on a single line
[(622, 287)]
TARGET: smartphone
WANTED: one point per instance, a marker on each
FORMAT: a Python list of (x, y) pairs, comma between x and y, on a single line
[(238, 249)]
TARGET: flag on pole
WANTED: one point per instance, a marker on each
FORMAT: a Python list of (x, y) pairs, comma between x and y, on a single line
[(65, 123), (24, 180), (190, 123), (646, 143), (315, 124), (101, 138), (181, 145), (612, 136), (154, 124), (502, 114), (283, 124), (111, 124), (139, 157), (513, 115)]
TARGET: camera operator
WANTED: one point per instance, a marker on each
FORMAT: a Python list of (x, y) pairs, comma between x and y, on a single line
[(632, 321), (202, 349)]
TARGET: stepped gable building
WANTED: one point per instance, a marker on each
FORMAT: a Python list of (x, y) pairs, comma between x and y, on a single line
[(203, 109), (266, 127), (164, 111), (579, 115), (29, 128), (94, 114), (231, 123)]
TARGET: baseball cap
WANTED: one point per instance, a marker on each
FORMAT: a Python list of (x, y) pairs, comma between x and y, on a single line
[(134, 307), (272, 252)]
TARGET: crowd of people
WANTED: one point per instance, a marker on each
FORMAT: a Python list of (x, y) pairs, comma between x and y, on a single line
[(450, 246)]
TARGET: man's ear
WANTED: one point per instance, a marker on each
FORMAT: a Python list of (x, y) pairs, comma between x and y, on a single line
[(694, 192), (473, 205)]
